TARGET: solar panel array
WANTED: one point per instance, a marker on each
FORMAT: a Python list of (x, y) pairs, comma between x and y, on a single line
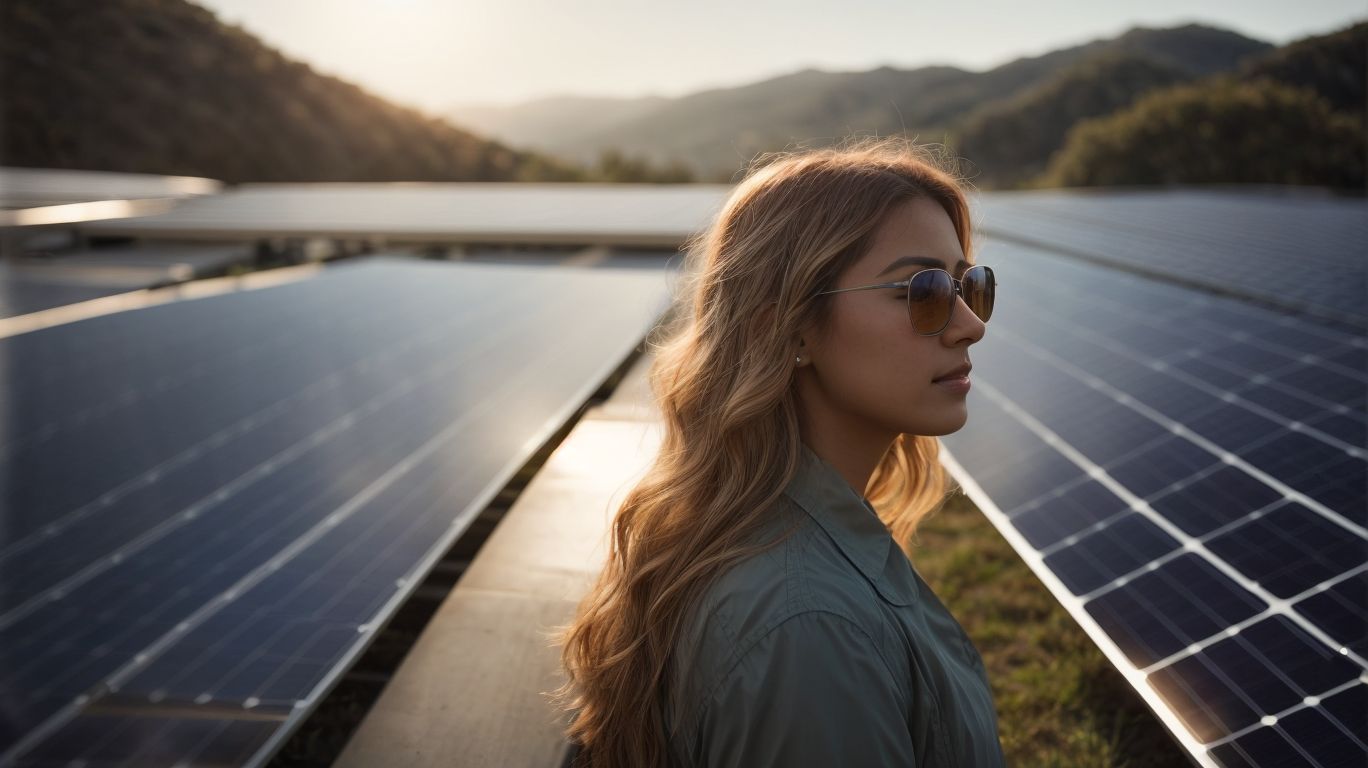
[(1289, 251), (1187, 473), (208, 507)]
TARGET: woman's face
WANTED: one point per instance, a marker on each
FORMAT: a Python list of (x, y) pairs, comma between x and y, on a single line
[(870, 371)]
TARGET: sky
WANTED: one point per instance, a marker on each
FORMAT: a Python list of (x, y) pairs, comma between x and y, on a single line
[(436, 54)]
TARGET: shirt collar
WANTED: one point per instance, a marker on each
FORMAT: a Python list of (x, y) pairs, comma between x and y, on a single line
[(853, 524)]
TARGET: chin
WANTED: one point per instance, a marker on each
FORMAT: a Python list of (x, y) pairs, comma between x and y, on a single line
[(944, 423)]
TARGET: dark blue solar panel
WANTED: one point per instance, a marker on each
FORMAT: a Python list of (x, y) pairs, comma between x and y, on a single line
[(107, 740), (1253, 357), (1235, 242), (1211, 500), (1100, 557), (1289, 550), (1347, 709), (1056, 516), (1346, 427), (1233, 426), (1291, 404), (1216, 474), (1128, 431), (1208, 370), (1227, 688), (1158, 466), (1341, 611), (1024, 470), (1296, 456), (1162, 612), (1331, 735), (1349, 359), (269, 472)]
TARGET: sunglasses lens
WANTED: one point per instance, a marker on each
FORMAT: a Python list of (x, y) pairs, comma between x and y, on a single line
[(979, 288), (928, 300)]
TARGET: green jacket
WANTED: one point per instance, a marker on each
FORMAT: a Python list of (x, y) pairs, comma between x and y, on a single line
[(827, 650)]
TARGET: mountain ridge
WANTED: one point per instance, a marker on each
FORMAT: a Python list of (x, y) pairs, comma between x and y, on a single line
[(715, 130)]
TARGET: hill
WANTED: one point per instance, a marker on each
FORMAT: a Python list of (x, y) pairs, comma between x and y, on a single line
[(162, 86), (1334, 66), (1010, 141), (1201, 134), (1296, 115), (717, 130)]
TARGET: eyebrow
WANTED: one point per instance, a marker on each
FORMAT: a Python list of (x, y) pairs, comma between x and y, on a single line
[(925, 261)]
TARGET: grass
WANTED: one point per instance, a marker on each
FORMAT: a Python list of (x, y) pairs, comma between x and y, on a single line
[(1060, 702)]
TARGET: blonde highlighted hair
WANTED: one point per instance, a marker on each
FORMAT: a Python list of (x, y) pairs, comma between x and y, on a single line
[(723, 378)]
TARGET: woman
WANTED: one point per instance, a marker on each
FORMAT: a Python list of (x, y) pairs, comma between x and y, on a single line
[(755, 608)]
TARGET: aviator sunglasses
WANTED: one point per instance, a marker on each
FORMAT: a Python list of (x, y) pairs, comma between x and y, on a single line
[(931, 296)]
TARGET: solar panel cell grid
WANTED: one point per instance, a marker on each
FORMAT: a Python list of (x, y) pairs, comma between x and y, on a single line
[(1232, 242), (1289, 549), (1347, 428), (1163, 612), (1329, 736), (1099, 558), (100, 740), (1204, 495), (1073, 508), (1126, 432), (277, 506), (1227, 688), (1159, 465), (1215, 498), (1340, 611)]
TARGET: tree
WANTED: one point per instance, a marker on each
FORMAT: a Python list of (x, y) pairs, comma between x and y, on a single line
[(1219, 131)]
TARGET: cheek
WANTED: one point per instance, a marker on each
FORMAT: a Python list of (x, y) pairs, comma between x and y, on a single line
[(879, 361), (878, 370)]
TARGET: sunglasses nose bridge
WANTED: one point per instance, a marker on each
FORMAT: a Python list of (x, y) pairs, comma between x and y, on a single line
[(958, 295)]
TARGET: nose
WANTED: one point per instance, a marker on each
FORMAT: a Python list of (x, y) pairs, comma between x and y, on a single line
[(964, 325)]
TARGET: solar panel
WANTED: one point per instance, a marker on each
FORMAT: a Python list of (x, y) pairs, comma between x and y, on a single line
[(627, 215), (33, 283), (210, 506), (34, 187), (1186, 472), (1292, 251)]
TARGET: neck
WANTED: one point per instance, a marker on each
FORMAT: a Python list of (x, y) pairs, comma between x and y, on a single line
[(855, 452)]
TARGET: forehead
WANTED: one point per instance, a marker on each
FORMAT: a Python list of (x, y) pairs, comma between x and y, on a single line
[(917, 227)]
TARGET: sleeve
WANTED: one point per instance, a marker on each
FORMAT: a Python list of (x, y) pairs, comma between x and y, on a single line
[(813, 692)]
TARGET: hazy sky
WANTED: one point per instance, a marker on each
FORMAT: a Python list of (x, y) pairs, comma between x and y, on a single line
[(433, 54)]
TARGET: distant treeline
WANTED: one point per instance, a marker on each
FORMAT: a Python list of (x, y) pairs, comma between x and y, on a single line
[(162, 86)]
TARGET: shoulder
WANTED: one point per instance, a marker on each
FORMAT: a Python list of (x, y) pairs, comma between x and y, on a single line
[(805, 573), (814, 689), (801, 596)]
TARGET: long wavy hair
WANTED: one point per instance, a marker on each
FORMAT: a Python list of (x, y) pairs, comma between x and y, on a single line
[(723, 379)]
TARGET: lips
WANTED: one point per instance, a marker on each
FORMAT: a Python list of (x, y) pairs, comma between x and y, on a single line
[(955, 373)]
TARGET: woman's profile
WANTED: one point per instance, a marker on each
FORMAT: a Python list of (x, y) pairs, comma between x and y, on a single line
[(758, 605)]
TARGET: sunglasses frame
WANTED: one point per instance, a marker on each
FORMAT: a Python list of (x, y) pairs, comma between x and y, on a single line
[(957, 289)]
